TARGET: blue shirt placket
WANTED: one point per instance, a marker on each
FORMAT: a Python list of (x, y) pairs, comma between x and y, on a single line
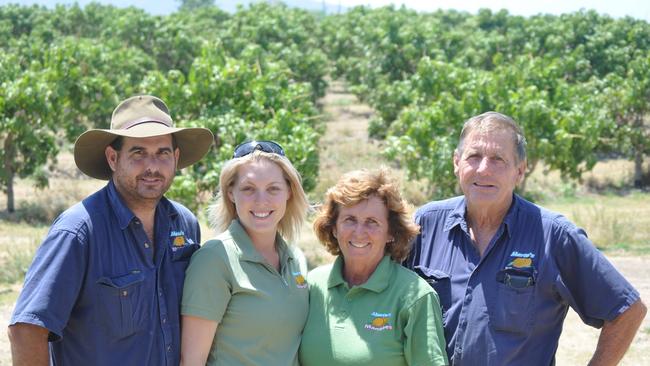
[(163, 268), (475, 267)]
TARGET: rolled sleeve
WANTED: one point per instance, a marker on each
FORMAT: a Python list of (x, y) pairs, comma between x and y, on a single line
[(53, 282)]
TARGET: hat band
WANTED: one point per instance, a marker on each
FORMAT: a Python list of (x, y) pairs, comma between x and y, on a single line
[(143, 120)]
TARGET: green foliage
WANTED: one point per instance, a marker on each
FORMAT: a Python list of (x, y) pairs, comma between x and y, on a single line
[(255, 74), (576, 83), (240, 100)]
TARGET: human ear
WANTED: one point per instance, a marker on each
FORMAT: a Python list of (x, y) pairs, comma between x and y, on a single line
[(111, 157), (456, 161)]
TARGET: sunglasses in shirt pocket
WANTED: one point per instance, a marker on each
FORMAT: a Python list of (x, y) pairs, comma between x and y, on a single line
[(439, 281), (511, 310)]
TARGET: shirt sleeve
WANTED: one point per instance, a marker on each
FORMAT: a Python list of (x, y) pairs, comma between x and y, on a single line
[(424, 337), (53, 282), (207, 288), (588, 281)]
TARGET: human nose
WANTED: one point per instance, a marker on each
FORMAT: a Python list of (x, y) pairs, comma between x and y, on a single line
[(260, 196), (153, 163), (483, 166), (359, 229)]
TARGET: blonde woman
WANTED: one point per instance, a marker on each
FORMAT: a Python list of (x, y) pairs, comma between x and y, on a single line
[(245, 299)]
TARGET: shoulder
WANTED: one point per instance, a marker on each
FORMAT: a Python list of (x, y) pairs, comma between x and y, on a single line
[(209, 262), (551, 220), (413, 286), (215, 248), (435, 208), (180, 209), (76, 221), (320, 275)]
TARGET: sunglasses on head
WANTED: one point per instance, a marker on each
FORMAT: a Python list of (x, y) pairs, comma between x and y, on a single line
[(248, 147)]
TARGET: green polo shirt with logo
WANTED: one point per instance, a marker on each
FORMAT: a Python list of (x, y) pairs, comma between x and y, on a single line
[(393, 319), (261, 312)]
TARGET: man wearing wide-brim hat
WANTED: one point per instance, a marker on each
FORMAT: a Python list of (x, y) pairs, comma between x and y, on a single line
[(105, 284)]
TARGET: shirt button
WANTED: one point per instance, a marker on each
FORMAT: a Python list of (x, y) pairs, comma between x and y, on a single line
[(169, 348), (146, 245), (164, 320), (159, 293), (125, 292)]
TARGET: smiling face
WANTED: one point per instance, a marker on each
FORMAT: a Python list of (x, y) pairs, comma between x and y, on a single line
[(362, 232), (488, 170), (260, 193), (143, 169)]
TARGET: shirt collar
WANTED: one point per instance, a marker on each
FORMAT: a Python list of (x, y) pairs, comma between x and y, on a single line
[(378, 281), (124, 214), (457, 216), (248, 251), (510, 220)]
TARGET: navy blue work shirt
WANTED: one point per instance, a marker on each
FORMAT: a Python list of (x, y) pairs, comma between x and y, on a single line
[(107, 294), (508, 307)]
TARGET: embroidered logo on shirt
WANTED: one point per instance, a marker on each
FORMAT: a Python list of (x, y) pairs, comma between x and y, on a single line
[(299, 279), (379, 321), (520, 260), (179, 240)]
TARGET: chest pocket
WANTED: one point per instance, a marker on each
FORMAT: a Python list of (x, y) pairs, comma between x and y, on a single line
[(441, 282), (511, 310), (121, 301)]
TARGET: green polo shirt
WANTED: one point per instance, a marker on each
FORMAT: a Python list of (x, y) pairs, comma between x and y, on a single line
[(261, 312), (392, 319)]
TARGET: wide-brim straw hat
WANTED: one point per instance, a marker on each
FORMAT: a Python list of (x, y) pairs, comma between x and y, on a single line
[(140, 116)]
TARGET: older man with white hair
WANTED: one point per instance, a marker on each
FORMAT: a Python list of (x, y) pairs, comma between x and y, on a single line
[(507, 270)]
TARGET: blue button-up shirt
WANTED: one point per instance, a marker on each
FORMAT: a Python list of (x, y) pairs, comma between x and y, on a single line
[(508, 307), (107, 294)]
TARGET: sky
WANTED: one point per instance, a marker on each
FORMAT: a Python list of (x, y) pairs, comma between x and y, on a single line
[(639, 9)]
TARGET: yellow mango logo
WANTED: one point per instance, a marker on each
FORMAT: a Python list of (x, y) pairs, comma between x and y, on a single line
[(522, 262), (300, 280), (379, 322), (179, 241)]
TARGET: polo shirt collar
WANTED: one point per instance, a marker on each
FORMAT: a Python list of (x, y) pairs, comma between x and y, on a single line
[(378, 281), (124, 214), (248, 251), (457, 216)]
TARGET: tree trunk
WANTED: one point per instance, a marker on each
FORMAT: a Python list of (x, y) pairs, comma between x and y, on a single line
[(638, 168), (638, 154), (8, 165)]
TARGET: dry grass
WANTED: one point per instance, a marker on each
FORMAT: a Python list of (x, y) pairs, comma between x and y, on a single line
[(616, 217)]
